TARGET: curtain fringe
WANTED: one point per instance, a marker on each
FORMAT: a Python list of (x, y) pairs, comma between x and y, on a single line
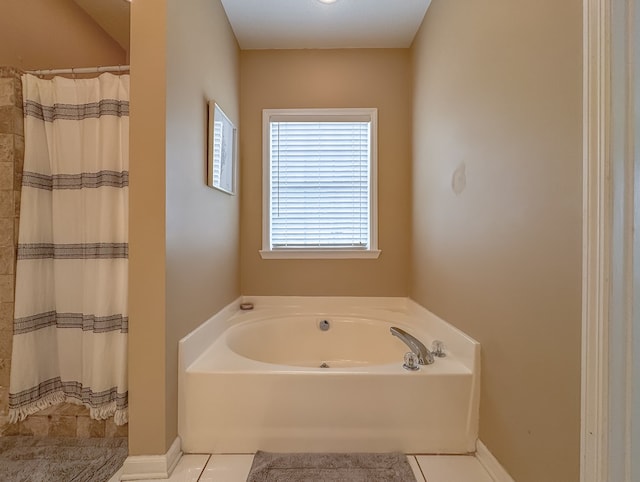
[(104, 412), (19, 414), (120, 416)]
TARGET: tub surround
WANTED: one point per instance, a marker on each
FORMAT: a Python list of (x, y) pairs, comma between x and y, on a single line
[(274, 398)]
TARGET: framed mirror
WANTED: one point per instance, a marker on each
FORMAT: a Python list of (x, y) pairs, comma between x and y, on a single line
[(222, 147)]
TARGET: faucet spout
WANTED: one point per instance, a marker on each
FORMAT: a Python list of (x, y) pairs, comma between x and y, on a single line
[(425, 357)]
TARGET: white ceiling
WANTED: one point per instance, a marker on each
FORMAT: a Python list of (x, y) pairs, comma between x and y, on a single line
[(297, 24)]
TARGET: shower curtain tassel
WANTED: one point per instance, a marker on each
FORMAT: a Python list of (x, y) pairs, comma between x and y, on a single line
[(120, 416), (19, 414)]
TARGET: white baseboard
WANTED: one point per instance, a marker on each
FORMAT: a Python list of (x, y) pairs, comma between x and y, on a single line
[(140, 467), (491, 464)]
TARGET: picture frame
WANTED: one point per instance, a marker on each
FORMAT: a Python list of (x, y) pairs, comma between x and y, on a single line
[(221, 150)]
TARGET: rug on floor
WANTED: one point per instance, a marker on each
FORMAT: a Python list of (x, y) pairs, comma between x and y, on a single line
[(57, 459), (307, 467)]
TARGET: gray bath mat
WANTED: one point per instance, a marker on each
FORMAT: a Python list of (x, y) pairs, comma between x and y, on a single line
[(272, 467), (52, 459)]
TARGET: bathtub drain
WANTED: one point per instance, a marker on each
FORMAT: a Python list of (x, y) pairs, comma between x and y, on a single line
[(324, 365)]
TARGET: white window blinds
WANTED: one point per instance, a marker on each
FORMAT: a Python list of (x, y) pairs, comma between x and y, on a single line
[(320, 184), (217, 151)]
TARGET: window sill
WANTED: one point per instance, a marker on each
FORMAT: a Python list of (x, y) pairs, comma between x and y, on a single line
[(320, 254)]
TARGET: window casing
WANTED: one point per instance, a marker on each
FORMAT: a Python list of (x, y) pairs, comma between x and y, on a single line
[(320, 183)]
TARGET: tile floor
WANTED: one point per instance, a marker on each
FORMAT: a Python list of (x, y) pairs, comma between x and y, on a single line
[(235, 468)]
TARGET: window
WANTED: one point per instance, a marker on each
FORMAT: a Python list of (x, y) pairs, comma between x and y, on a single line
[(319, 183)]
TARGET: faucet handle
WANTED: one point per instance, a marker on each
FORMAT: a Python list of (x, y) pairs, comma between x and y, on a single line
[(437, 348), (411, 361)]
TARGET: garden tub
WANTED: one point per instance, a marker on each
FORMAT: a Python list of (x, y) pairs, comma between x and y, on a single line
[(325, 375)]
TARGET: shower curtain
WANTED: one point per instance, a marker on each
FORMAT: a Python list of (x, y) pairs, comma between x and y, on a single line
[(70, 322)]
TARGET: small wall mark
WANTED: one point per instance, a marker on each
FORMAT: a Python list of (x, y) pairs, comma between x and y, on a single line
[(459, 179)]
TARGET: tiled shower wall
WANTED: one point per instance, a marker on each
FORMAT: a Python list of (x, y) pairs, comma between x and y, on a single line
[(11, 162), (62, 420)]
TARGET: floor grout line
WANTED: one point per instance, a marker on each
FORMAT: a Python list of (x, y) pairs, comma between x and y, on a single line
[(420, 467), (204, 466)]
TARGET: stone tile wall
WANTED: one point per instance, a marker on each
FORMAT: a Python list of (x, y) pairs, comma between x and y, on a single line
[(11, 162), (64, 420)]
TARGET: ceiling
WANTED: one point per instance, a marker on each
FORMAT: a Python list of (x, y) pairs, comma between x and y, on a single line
[(295, 24)]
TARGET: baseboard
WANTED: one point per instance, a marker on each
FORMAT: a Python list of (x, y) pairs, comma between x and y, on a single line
[(140, 467), (491, 464)]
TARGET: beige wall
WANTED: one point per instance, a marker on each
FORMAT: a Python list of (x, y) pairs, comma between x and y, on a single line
[(497, 88), (148, 431), (324, 79), (183, 235), (46, 34), (202, 223)]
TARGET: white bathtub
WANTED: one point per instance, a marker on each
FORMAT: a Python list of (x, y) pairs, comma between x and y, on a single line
[(253, 380)]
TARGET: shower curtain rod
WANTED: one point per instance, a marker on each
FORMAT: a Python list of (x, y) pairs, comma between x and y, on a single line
[(80, 70)]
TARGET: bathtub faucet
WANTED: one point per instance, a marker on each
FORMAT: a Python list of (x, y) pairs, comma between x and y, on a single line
[(425, 357)]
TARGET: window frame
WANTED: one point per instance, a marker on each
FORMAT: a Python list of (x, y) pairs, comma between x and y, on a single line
[(327, 115)]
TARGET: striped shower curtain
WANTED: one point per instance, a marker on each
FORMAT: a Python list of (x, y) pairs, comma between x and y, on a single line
[(70, 324)]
